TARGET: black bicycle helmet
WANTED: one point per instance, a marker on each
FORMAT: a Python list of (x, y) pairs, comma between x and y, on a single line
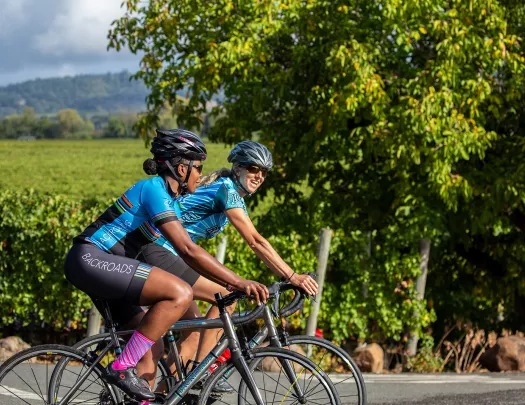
[(249, 152), (170, 147), (170, 143)]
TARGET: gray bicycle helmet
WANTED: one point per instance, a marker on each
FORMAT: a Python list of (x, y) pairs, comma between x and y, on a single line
[(249, 152)]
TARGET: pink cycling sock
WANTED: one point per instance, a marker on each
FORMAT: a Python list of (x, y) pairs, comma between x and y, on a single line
[(134, 350)]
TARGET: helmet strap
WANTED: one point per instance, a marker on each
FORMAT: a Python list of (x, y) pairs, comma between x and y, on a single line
[(183, 184), (237, 183)]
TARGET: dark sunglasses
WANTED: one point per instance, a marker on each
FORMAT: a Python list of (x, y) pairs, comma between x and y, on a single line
[(196, 167), (256, 169)]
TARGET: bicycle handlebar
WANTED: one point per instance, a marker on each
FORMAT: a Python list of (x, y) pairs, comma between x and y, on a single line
[(275, 289)]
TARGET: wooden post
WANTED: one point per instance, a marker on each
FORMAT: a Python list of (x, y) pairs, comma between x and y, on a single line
[(364, 287), (322, 263), (221, 249), (94, 319), (421, 282)]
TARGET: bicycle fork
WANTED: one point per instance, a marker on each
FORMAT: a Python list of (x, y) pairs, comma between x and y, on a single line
[(237, 357), (273, 334)]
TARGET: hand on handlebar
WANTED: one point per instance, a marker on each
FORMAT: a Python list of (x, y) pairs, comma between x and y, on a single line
[(250, 287), (306, 282)]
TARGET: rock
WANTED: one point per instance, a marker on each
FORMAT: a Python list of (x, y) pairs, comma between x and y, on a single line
[(13, 344), (369, 358), (508, 354), (5, 354)]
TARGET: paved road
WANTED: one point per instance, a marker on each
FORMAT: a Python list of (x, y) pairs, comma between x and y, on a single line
[(445, 389), (391, 389)]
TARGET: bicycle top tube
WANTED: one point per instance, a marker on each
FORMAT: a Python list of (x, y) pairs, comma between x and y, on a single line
[(245, 317)]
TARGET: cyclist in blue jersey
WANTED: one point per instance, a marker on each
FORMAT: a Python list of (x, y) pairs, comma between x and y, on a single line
[(204, 214), (102, 261)]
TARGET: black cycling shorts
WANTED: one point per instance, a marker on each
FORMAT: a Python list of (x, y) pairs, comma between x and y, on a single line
[(117, 279), (161, 257)]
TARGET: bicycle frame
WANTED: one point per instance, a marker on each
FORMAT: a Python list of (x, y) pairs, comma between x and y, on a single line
[(177, 393)]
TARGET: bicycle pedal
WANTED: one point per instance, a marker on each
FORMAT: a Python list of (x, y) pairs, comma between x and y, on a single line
[(216, 395)]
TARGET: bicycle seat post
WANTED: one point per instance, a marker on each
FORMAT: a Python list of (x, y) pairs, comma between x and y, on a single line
[(110, 326)]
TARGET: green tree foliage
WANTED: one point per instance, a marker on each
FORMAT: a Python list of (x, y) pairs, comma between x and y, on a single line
[(389, 121), (66, 124), (73, 125), (35, 234), (116, 128)]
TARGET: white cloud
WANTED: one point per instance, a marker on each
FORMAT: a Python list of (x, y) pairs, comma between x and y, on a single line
[(80, 28)]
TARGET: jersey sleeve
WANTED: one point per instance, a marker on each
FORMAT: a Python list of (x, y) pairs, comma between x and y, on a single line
[(227, 198), (158, 203)]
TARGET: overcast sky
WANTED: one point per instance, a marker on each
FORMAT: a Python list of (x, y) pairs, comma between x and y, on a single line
[(49, 38)]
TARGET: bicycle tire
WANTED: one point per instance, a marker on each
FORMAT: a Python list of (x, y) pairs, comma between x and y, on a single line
[(40, 361), (346, 361), (242, 394)]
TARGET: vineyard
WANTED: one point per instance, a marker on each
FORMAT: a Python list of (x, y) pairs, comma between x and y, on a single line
[(82, 169)]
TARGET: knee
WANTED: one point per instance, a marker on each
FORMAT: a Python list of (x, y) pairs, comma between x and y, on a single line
[(182, 294)]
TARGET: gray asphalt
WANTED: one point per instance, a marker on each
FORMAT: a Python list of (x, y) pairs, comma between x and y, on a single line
[(444, 389), (383, 389), (512, 397)]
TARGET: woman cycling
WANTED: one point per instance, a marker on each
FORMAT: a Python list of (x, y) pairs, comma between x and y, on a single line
[(218, 201), (102, 260)]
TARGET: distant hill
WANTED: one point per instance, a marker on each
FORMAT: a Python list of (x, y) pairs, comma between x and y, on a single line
[(85, 93)]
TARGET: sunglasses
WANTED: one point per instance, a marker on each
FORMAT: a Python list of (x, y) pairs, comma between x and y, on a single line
[(256, 169), (196, 167)]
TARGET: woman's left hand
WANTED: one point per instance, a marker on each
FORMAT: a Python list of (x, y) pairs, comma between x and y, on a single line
[(306, 282)]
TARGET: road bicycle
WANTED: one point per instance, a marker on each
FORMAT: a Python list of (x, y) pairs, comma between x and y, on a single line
[(59, 375), (344, 373)]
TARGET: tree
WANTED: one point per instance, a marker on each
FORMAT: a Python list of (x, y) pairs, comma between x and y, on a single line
[(73, 125), (383, 112), (70, 120), (115, 128)]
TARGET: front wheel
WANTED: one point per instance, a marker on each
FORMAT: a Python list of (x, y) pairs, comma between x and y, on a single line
[(342, 370), (281, 376)]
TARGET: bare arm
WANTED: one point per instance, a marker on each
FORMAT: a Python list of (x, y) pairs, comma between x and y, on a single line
[(207, 265), (265, 251)]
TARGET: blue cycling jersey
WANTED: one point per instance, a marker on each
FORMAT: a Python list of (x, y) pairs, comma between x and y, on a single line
[(130, 222), (202, 213)]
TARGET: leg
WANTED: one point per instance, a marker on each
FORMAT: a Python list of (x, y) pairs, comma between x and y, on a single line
[(204, 289), (169, 298), (147, 366), (188, 343), (130, 282)]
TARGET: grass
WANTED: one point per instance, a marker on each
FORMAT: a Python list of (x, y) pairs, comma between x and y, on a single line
[(83, 169)]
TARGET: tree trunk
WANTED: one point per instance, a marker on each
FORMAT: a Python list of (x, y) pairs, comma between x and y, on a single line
[(322, 263)]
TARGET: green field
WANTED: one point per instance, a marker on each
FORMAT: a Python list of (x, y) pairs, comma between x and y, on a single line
[(91, 168)]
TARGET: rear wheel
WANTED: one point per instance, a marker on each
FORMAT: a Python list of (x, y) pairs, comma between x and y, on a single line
[(29, 378), (95, 344)]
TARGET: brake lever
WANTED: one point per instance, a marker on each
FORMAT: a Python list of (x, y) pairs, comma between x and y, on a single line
[(275, 305)]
